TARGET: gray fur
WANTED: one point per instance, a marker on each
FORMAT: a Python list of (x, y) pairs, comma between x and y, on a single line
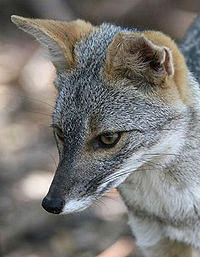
[(155, 164), (84, 97)]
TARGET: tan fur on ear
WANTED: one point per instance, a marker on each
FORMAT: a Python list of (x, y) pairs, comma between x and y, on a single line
[(123, 56), (180, 67), (56, 35)]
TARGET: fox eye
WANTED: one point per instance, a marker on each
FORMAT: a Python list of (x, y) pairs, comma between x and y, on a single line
[(108, 140), (59, 134)]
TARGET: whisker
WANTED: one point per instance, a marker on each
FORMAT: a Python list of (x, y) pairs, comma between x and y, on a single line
[(111, 179), (52, 157), (110, 198), (129, 171), (162, 154), (31, 98), (45, 114)]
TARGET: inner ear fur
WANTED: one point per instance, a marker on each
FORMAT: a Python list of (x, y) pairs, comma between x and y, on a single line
[(149, 55), (58, 36)]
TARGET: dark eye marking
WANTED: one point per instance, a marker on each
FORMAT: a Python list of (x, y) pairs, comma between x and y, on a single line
[(58, 132)]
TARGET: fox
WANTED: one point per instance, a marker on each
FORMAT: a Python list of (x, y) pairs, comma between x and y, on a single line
[(126, 117)]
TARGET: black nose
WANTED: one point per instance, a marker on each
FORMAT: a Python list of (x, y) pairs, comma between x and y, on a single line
[(53, 205)]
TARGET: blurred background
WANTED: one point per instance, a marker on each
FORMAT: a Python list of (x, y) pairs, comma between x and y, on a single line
[(28, 156)]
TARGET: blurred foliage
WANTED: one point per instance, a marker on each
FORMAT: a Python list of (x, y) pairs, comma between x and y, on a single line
[(28, 156)]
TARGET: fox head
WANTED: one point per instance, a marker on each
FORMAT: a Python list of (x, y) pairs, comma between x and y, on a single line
[(122, 100)]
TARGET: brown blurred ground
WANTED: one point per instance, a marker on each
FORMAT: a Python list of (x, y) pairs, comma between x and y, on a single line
[(28, 156)]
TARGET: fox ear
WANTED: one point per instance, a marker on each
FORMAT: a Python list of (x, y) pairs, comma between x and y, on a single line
[(133, 54), (59, 37)]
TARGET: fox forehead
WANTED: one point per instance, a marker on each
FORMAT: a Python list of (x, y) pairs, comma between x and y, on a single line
[(91, 51), (86, 104)]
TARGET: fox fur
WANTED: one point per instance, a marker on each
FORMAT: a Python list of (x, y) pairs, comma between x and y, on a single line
[(136, 84)]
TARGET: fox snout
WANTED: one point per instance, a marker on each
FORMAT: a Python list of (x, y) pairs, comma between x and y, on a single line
[(55, 199), (67, 192)]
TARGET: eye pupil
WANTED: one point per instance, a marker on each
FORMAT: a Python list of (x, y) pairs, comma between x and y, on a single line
[(109, 139)]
